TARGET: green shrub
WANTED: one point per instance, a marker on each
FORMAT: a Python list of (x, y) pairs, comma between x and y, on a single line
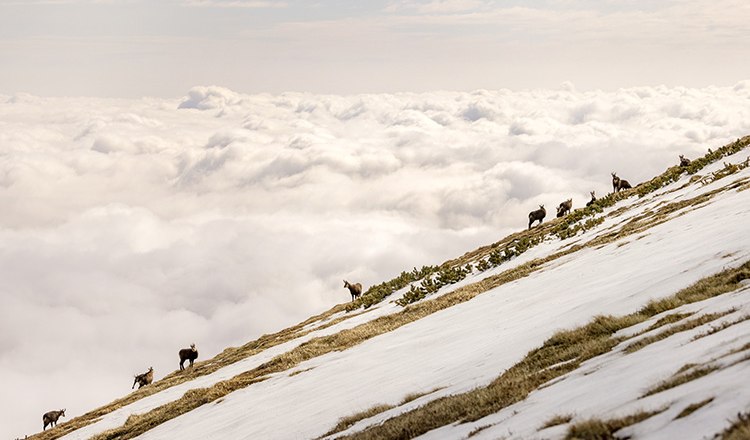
[(377, 293)]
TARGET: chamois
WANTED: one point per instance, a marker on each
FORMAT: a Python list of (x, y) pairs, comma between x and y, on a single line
[(619, 184), (537, 215), (564, 208), (593, 199), (144, 379), (188, 354), (355, 289), (684, 161), (50, 418)]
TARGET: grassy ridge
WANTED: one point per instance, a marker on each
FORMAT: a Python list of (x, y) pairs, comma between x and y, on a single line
[(596, 429)]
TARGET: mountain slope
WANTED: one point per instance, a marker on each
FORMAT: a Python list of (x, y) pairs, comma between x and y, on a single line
[(420, 369)]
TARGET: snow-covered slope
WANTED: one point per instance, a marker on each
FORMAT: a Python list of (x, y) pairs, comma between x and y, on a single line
[(615, 270)]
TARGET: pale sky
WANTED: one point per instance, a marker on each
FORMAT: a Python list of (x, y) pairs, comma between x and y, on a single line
[(132, 48)]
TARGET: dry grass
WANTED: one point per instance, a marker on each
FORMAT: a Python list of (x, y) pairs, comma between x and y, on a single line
[(739, 430), (693, 408), (709, 287), (668, 319), (661, 322), (685, 326), (414, 396), (480, 429), (556, 421), (294, 373), (720, 327), (739, 350), (681, 378), (596, 429), (686, 367), (349, 421)]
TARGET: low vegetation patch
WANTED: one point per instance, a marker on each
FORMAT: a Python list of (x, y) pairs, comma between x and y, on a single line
[(480, 429), (739, 430), (294, 373), (745, 347), (379, 292), (596, 429), (556, 421), (687, 325), (414, 396), (720, 327), (681, 378), (445, 276), (693, 407), (349, 421), (668, 319)]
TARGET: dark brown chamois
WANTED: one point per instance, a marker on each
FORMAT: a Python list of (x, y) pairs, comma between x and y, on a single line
[(188, 354), (537, 215), (144, 379), (619, 184), (624, 184), (564, 208), (50, 418), (593, 199), (615, 182), (355, 289), (684, 161)]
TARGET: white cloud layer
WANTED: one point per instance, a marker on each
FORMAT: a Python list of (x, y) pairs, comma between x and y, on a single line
[(132, 228)]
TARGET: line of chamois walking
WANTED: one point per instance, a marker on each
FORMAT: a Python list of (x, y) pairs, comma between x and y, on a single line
[(355, 289), (185, 354), (564, 208)]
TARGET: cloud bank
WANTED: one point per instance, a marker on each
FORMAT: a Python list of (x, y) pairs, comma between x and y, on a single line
[(132, 228)]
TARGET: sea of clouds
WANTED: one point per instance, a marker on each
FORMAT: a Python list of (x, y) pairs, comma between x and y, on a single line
[(132, 228)]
